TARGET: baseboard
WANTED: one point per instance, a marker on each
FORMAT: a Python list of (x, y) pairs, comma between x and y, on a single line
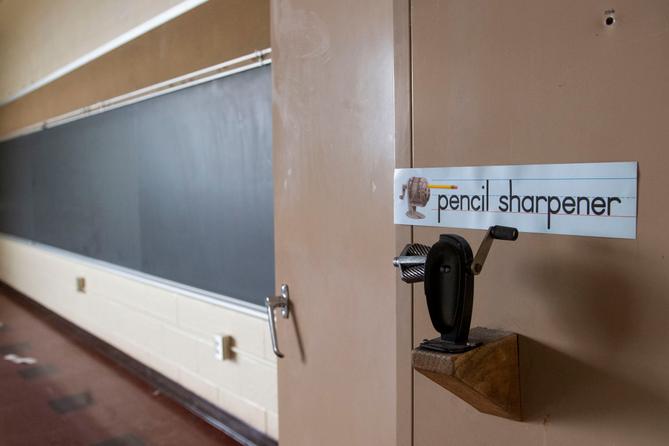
[(210, 413)]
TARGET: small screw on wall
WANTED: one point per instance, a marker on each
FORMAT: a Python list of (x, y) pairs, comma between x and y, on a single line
[(609, 17)]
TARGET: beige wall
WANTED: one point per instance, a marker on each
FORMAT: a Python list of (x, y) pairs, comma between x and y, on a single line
[(168, 330), (33, 44), (520, 82), (217, 31)]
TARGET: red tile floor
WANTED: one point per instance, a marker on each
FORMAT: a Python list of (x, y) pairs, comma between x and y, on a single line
[(75, 396)]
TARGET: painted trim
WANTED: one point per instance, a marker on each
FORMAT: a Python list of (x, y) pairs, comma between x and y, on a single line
[(178, 83), (200, 407), (124, 38), (219, 300)]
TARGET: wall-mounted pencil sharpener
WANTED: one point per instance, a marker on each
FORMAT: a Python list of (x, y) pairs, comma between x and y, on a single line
[(447, 269)]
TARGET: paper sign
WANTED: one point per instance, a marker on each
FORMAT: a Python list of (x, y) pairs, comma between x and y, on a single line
[(596, 199)]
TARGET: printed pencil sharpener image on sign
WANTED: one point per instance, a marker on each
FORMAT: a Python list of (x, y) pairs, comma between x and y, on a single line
[(417, 193), (447, 269)]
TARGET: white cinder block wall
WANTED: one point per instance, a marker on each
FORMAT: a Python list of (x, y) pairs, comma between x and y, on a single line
[(170, 332)]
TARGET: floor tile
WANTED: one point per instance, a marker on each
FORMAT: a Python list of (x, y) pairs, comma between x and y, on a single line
[(75, 396)]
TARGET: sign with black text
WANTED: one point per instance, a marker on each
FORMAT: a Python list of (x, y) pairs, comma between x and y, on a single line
[(594, 199)]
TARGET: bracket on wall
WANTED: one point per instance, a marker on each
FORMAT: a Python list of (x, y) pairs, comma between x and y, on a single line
[(486, 377)]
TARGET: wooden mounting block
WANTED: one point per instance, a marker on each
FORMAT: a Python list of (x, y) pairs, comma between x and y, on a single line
[(486, 377)]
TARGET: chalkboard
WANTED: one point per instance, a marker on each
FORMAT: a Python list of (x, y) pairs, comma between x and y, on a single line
[(178, 186)]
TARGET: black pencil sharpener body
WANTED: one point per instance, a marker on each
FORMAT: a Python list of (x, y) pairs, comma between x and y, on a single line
[(447, 269)]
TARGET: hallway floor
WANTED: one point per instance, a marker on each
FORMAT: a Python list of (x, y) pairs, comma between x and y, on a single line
[(74, 396)]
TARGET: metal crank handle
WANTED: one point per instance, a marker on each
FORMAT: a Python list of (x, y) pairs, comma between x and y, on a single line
[(494, 233)]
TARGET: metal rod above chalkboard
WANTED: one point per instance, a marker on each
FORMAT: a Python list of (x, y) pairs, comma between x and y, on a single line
[(223, 69)]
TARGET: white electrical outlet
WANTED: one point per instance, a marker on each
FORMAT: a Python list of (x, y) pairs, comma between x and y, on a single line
[(218, 347), (81, 284), (223, 347)]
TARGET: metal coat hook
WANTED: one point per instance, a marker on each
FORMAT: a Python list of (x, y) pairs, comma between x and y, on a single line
[(272, 302)]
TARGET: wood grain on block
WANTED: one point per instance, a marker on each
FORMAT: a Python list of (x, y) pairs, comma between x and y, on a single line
[(486, 377)]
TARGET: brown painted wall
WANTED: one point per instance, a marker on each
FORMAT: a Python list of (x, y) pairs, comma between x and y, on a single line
[(519, 82), (338, 134), (209, 34), (34, 43)]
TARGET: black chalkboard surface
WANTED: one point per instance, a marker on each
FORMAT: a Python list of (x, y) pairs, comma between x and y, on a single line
[(178, 186)]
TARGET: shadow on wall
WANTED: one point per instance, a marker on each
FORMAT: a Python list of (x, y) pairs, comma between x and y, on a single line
[(558, 388), (593, 292), (607, 303)]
